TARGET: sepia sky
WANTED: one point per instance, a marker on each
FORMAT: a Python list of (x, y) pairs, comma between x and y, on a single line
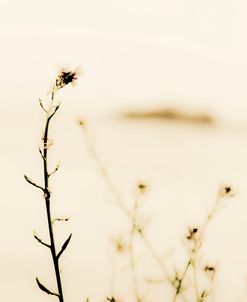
[(133, 54)]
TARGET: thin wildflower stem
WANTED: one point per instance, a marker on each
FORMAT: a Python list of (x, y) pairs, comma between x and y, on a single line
[(120, 202), (132, 255), (64, 78), (196, 237), (48, 204)]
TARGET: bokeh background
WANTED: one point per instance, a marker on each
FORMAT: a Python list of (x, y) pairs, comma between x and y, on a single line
[(135, 55)]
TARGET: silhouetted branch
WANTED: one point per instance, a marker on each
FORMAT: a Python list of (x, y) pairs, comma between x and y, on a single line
[(64, 246), (41, 241), (55, 110), (55, 170), (41, 153), (33, 183), (42, 106), (45, 289)]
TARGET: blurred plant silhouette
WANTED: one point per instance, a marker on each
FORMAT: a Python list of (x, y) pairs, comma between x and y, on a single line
[(130, 213), (64, 78), (194, 242), (180, 280)]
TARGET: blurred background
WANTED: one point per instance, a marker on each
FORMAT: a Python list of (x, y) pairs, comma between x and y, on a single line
[(163, 91)]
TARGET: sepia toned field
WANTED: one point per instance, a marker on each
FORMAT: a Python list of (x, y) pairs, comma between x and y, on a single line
[(138, 150)]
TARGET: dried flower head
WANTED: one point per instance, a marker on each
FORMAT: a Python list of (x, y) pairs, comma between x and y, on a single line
[(192, 233), (142, 187), (82, 123), (119, 245), (226, 191), (210, 271), (209, 268), (66, 77)]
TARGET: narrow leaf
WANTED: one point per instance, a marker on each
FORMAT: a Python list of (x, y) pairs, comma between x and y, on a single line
[(64, 246), (55, 170), (33, 183), (40, 240), (42, 106), (44, 289), (41, 153)]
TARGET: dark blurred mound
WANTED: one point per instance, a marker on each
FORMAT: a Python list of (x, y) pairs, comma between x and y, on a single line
[(172, 114)]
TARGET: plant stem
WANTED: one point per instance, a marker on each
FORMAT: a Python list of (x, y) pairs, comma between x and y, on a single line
[(47, 203), (180, 281), (131, 251), (120, 202)]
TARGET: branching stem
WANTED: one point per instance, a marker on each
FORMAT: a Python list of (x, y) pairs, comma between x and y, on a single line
[(47, 201)]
